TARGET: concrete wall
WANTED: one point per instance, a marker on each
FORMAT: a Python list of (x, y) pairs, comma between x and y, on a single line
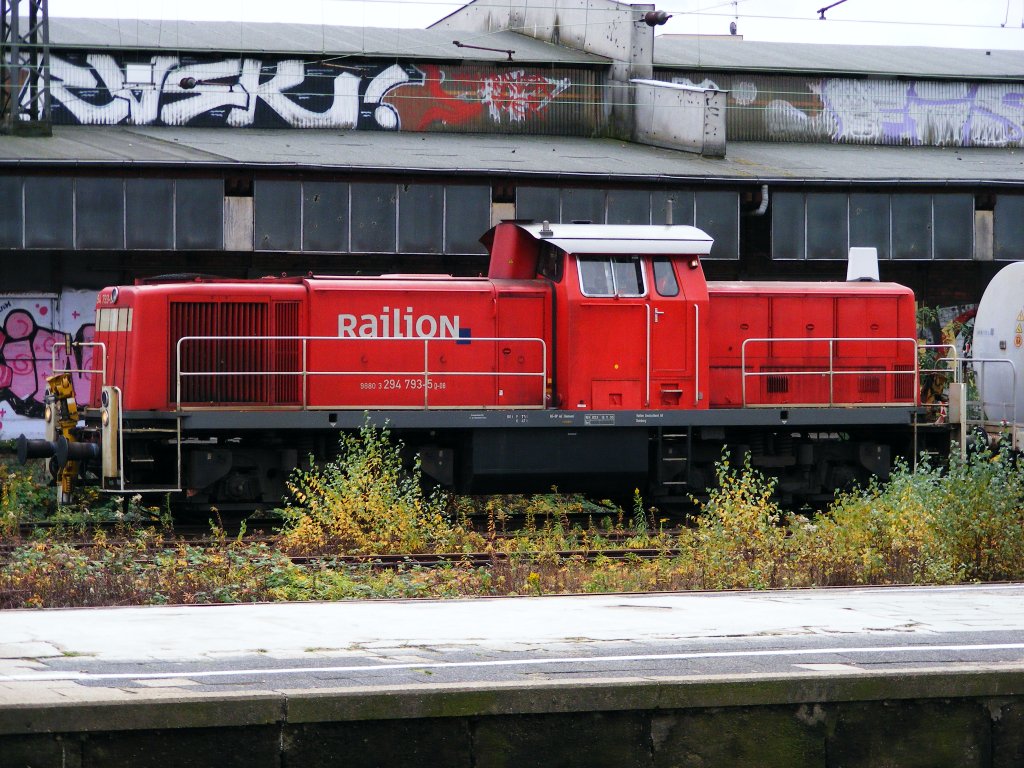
[(602, 27), (942, 719)]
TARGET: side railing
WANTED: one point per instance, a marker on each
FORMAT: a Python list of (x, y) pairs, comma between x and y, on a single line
[(423, 385), (994, 416), (65, 348), (829, 371), (953, 393)]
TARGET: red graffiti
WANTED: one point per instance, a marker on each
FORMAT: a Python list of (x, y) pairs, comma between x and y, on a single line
[(512, 96), (448, 108)]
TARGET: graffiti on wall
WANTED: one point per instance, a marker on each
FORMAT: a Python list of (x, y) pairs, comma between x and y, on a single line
[(845, 110), (943, 329), (32, 330), (101, 89)]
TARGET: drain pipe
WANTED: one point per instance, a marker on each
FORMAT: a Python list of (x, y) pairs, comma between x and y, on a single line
[(759, 211)]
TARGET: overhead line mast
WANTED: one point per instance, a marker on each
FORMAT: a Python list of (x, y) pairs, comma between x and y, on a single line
[(25, 68)]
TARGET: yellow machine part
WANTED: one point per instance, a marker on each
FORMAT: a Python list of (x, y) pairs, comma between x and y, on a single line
[(64, 417)]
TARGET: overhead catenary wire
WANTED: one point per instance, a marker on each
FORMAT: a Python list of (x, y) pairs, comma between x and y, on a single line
[(722, 8)]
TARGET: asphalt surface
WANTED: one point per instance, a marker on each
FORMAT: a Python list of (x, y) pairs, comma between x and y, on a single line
[(115, 654)]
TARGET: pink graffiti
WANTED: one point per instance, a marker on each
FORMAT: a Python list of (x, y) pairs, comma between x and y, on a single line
[(26, 355), (19, 324), (518, 95)]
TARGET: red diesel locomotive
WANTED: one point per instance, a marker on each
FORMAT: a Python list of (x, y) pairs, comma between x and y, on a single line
[(591, 357)]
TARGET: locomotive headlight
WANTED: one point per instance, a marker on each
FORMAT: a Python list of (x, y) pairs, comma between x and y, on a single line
[(105, 417), (114, 293), (47, 414)]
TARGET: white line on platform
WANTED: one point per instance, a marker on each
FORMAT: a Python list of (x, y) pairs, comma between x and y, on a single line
[(180, 673)]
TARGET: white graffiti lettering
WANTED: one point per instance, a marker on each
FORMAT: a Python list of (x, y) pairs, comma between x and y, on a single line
[(98, 93), (517, 95)]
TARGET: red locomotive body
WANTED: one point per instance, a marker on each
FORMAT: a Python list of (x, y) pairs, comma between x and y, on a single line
[(591, 356), (812, 343)]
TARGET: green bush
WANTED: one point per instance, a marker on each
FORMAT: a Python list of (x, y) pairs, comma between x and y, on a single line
[(739, 540), (925, 525), (978, 519), (365, 500), (24, 496)]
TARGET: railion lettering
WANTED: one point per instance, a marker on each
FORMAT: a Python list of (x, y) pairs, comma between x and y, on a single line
[(397, 323)]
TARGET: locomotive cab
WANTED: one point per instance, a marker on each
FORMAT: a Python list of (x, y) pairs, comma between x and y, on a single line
[(630, 326)]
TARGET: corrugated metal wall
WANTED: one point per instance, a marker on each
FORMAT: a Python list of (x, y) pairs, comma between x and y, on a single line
[(862, 111), (103, 88)]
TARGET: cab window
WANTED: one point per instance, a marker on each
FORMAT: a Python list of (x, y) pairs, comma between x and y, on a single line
[(665, 282), (550, 263), (611, 275)]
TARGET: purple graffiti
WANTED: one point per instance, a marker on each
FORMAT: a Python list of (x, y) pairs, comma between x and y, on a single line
[(899, 112)]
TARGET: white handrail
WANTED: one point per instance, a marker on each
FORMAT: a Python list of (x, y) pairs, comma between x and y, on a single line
[(65, 346), (424, 375), (985, 421), (831, 372), (696, 342)]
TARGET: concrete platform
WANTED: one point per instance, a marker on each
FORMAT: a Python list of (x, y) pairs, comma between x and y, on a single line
[(908, 676)]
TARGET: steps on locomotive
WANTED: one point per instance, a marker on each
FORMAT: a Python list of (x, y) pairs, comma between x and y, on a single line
[(673, 458), (932, 442), (150, 457)]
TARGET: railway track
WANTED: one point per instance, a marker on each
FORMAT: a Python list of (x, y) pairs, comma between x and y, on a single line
[(149, 548), (482, 559)]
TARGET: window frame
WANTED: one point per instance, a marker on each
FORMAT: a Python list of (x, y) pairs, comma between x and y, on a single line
[(608, 261)]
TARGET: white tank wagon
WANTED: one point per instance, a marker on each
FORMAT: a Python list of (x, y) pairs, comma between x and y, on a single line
[(998, 353)]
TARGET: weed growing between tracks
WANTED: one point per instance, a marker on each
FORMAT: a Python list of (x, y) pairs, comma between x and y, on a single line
[(964, 522)]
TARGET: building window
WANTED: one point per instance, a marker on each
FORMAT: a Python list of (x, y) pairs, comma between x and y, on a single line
[(374, 209), (718, 214), (1009, 227), (788, 224), (467, 215), (827, 230), (953, 226), (825, 225), (420, 218), (869, 222), (911, 226)]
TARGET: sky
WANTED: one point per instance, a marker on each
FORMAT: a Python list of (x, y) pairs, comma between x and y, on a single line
[(992, 24)]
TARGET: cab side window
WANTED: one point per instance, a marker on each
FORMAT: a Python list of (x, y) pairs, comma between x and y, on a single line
[(611, 276), (665, 282), (550, 263)]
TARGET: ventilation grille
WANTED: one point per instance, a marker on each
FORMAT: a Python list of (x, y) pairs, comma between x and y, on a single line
[(869, 384), (903, 388), (287, 353), (210, 358), (777, 385)]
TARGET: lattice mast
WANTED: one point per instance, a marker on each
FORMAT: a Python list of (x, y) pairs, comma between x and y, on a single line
[(25, 67)]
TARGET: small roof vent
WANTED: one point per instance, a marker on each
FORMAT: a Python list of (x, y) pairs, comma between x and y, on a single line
[(862, 265)]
